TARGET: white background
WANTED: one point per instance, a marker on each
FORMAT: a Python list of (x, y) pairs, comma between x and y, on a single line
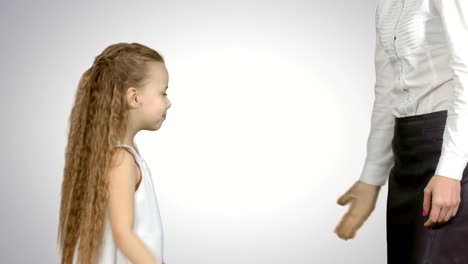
[(270, 117)]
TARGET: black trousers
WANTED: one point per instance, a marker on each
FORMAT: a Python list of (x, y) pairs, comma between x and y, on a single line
[(416, 147)]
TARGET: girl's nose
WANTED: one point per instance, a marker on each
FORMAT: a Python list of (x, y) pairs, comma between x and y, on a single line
[(169, 104)]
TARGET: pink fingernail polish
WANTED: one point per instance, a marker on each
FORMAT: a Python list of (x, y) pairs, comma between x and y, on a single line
[(424, 213)]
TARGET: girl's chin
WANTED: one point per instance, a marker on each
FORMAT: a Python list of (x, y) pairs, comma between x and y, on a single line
[(158, 125), (155, 126)]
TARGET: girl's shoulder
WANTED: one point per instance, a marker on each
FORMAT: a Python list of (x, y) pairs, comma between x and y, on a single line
[(126, 162)]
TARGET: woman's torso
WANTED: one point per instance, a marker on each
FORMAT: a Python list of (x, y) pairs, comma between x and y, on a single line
[(413, 37)]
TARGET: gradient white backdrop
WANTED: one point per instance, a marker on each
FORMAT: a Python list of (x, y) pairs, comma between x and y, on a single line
[(270, 117)]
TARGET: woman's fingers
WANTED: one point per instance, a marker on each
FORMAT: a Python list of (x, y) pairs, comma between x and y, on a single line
[(358, 212), (346, 229), (456, 210), (448, 215), (434, 215), (427, 200), (443, 214)]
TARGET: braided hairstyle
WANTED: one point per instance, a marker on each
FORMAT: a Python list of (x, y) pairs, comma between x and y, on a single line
[(97, 122)]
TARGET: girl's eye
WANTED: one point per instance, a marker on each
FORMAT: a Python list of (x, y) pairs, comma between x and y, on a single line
[(165, 94)]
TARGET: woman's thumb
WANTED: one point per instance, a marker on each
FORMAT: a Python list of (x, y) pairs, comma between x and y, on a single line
[(344, 199)]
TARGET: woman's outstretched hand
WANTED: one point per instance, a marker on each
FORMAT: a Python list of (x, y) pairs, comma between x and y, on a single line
[(362, 198), (441, 199)]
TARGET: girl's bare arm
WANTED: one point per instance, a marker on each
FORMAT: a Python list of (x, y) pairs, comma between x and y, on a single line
[(122, 181)]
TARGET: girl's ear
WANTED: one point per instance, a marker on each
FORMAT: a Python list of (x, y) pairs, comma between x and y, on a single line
[(132, 97)]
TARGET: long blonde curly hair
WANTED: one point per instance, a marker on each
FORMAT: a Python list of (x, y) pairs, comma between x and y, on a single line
[(97, 122)]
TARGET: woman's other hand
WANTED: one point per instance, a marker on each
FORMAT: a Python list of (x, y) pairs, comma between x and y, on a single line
[(441, 200)]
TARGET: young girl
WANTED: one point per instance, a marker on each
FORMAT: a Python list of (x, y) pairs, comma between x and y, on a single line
[(109, 212)]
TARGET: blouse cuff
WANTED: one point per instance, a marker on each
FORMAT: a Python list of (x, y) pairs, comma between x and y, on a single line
[(374, 174), (451, 166)]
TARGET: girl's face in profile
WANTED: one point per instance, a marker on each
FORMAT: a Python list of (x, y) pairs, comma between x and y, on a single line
[(154, 101)]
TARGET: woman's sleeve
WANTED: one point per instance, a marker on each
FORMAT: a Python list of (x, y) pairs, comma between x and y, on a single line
[(379, 158), (454, 155)]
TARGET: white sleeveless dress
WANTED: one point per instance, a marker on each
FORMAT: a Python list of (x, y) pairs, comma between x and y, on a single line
[(147, 220)]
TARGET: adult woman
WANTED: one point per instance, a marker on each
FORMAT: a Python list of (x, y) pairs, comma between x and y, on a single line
[(419, 133)]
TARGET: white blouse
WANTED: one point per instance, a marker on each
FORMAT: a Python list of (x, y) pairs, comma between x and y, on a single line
[(421, 64)]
